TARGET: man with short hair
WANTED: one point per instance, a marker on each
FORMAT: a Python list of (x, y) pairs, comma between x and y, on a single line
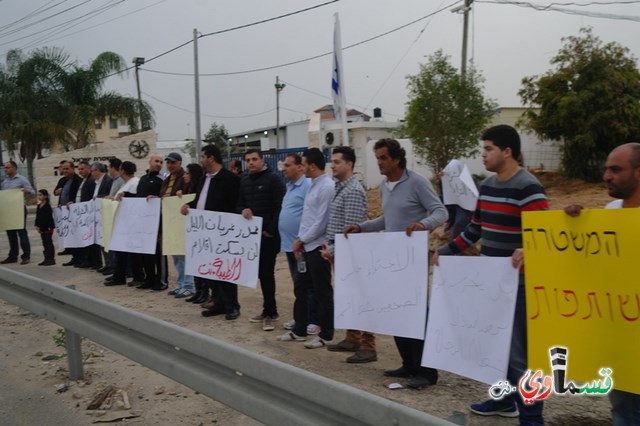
[(349, 205), (261, 193), (409, 204), (149, 185), (102, 186), (217, 191), (80, 255), (289, 224), (622, 176), (316, 272), (497, 220), (13, 180), (114, 172), (170, 186)]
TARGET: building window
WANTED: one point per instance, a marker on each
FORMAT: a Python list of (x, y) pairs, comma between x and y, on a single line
[(123, 121), (98, 126), (113, 123)]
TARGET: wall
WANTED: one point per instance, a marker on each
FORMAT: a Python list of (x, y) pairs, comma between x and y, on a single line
[(46, 169)]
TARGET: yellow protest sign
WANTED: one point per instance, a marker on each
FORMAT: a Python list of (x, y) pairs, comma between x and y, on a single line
[(583, 292), (11, 209), (173, 224), (109, 208)]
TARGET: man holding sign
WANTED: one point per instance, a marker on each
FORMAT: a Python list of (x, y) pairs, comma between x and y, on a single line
[(498, 222), (622, 176), (15, 181), (218, 191), (409, 204)]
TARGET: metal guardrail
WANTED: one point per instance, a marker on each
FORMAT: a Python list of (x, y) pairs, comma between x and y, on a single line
[(267, 390)]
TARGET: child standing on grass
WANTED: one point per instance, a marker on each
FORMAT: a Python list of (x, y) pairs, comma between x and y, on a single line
[(45, 226)]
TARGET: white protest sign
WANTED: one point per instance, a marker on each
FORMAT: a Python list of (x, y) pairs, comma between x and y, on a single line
[(471, 317), (75, 224), (381, 283), (458, 186), (98, 221), (135, 228), (223, 246)]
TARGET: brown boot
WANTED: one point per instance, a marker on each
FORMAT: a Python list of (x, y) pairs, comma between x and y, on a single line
[(208, 304), (363, 356), (343, 346)]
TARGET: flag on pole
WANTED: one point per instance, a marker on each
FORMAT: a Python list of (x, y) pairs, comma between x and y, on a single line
[(337, 82)]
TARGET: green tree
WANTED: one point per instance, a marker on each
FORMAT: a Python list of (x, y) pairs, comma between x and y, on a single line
[(88, 103), (216, 135), (446, 112), (32, 110), (589, 101)]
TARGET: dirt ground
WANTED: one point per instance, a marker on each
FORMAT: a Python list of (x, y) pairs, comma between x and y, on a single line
[(28, 395)]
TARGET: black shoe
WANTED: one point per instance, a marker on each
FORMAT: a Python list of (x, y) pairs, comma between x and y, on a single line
[(111, 282), (69, 263), (106, 271), (161, 287), (97, 267), (109, 279), (203, 298), (233, 315), (47, 263), (419, 382), (400, 372), (135, 283), (25, 261), (144, 286), (214, 312), (82, 265), (193, 297), (64, 252), (9, 260)]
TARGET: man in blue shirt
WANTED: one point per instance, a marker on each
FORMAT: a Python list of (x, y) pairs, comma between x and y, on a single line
[(15, 181)]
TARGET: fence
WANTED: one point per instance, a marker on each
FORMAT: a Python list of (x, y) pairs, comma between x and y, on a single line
[(270, 391)]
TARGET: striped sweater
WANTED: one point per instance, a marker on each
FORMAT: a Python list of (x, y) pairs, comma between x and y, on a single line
[(498, 215)]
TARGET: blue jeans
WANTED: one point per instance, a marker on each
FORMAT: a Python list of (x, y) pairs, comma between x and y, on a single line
[(625, 408), (518, 360), (184, 282)]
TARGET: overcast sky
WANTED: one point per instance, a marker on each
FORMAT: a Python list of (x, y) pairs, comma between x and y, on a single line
[(507, 42)]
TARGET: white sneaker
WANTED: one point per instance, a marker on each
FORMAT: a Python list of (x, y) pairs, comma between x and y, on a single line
[(290, 336), (317, 342), (313, 329), (288, 325)]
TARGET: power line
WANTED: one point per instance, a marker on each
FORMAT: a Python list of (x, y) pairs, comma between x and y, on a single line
[(302, 60), (70, 24), (44, 19), (124, 15), (552, 8), (226, 30)]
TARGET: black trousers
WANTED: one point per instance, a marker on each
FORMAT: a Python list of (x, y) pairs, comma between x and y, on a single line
[(47, 245), (411, 354), (318, 277), (269, 248), (224, 294)]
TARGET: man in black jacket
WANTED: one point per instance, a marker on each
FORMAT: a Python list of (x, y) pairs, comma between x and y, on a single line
[(150, 186), (261, 193), (217, 191)]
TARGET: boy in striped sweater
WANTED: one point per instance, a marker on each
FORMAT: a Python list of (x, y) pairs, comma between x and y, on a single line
[(497, 221)]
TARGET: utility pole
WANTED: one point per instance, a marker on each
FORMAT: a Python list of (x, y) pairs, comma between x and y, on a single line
[(279, 86), (137, 61), (465, 35), (196, 77)]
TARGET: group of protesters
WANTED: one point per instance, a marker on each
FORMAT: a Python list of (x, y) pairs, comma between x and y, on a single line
[(301, 217)]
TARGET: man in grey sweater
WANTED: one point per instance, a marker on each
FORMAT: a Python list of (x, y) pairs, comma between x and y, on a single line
[(409, 204)]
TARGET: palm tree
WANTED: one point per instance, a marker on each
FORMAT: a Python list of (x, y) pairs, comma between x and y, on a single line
[(32, 111), (88, 104)]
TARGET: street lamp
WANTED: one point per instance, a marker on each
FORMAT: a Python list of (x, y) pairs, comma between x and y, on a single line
[(137, 61), (279, 86)]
